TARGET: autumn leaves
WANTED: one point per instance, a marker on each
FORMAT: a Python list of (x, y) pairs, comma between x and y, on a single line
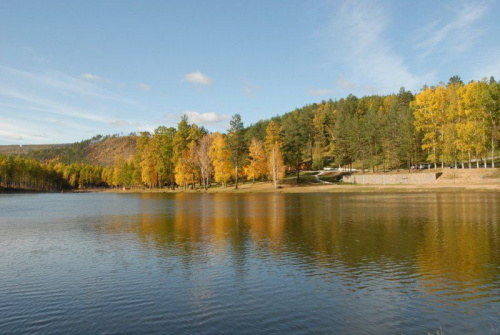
[(191, 155), (261, 160), (266, 159), (458, 122)]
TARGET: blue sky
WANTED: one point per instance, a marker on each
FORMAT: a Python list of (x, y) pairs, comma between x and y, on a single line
[(70, 70)]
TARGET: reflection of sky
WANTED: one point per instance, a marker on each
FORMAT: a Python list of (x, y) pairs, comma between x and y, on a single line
[(268, 262)]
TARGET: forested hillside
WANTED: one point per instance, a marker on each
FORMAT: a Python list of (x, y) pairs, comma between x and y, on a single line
[(99, 150), (453, 124), (17, 150)]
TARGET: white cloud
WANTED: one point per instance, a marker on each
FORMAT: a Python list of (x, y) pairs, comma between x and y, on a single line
[(204, 118), (358, 36), (321, 91), (92, 77), (198, 78), (455, 35), (144, 87)]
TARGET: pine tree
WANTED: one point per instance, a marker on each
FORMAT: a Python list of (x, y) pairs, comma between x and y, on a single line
[(236, 144)]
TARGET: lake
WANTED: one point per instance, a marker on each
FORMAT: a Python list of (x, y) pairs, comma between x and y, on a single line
[(250, 263)]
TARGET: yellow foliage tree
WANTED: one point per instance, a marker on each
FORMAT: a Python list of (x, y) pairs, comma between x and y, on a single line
[(220, 155), (273, 134), (276, 166), (149, 175), (451, 144), (181, 170), (203, 159), (193, 171), (257, 161), (475, 128), (427, 122)]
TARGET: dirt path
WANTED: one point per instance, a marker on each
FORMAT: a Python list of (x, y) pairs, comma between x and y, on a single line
[(316, 177)]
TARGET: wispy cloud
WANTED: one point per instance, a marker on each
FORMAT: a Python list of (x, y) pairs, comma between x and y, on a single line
[(10, 136), (54, 80), (119, 123), (358, 33), (198, 78), (144, 87), (12, 131), (92, 77), (456, 34), (249, 89), (321, 91), (344, 83), (55, 101), (489, 66), (48, 106), (205, 118)]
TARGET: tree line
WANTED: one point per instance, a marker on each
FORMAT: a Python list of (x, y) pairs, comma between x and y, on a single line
[(459, 122), (189, 155), (30, 174), (452, 124)]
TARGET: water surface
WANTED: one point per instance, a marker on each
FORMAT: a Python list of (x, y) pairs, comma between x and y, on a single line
[(250, 263)]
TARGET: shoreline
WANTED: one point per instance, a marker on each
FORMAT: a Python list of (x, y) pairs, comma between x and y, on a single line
[(447, 181), (318, 188)]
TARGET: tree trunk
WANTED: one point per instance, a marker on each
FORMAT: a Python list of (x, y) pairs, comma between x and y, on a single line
[(236, 176), (275, 177), (434, 149), (493, 147), (311, 145)]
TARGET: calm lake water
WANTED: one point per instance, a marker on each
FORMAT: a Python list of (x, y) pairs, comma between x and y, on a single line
[(250, 263)]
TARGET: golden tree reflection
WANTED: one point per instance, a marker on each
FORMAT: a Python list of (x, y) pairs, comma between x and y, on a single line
[(449, 242)]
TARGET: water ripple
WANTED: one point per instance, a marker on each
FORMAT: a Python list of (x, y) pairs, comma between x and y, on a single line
[(247, 264)]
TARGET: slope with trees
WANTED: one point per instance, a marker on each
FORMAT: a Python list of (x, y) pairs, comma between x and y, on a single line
[(453, 124)]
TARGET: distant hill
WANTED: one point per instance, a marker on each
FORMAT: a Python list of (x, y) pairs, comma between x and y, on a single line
[(100, 150), (25, 149), (108, 151)]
